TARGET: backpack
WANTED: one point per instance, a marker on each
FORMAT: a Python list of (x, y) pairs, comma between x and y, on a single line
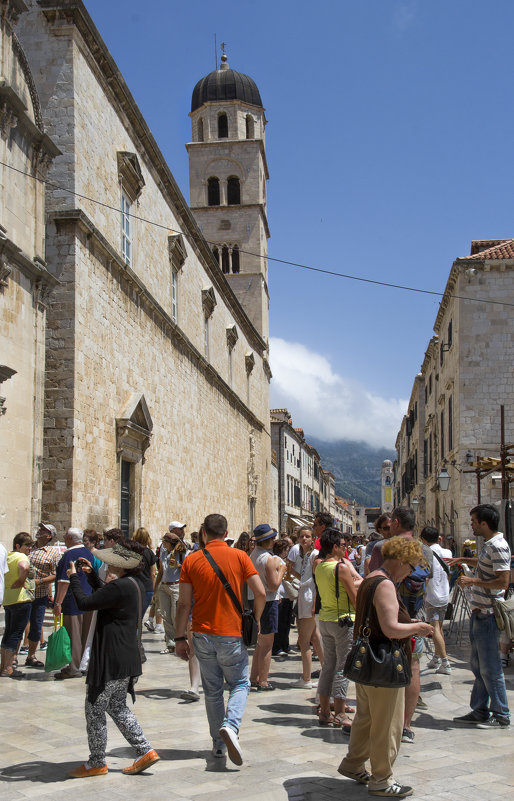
[(412, 589)]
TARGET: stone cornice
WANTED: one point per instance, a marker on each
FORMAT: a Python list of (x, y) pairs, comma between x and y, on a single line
[(9, 99), (73, 12), (169, 328), (35, 269)]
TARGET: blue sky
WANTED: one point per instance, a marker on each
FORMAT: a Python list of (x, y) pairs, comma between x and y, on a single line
[(389, 147)]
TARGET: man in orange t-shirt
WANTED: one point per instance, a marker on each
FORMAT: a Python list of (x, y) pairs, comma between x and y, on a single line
[(216, 626)]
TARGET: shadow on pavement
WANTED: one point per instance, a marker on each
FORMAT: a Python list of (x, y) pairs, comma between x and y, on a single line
[(322, 787), (37, 771)]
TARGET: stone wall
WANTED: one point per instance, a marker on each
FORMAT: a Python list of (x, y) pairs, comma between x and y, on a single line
[(111, 333)]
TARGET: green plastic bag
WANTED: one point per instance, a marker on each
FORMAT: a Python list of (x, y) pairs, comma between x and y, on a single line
[(58, 650)]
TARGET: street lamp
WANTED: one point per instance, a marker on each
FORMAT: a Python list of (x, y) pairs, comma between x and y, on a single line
[(415, 504), (444, 480)]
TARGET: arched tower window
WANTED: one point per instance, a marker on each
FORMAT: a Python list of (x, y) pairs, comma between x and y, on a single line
[(225, 260), (213, 192), (235, 259), (233, 191), (222, 126), (250, 128), (216, 254), (199, 130)]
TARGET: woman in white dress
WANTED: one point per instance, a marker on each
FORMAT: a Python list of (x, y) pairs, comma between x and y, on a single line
[(300, 559)]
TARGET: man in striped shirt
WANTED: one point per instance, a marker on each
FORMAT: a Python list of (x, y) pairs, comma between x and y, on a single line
[(489, 707)]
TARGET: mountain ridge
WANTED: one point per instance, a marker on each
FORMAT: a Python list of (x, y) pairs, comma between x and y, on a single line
[(355, 466)]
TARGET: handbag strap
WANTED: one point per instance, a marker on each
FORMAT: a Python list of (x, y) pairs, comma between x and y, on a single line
[(336, 574), (371, 595), (226, 583), (140, 609), (443, 564)]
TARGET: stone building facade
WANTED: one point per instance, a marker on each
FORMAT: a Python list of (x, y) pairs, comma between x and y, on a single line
[(25, 283), (157, 382), (454, 409), (304, 487)]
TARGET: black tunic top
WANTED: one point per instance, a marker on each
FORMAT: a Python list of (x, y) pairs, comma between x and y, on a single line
[(114, 650)]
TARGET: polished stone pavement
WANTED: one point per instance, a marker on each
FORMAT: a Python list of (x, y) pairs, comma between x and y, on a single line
[(286, 754)]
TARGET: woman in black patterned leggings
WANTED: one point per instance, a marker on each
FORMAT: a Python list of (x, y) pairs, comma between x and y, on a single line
[(115, 659)]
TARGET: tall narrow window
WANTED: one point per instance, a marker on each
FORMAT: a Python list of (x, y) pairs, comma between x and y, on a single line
[(126, 230), (450, 423), (126, 497), (174, 296), (430, 453), (216, 254), (442, 435), (222, 126), (225, 260), (249, 127), (233, 191), (235, 259), (199, 130), (213, 192)]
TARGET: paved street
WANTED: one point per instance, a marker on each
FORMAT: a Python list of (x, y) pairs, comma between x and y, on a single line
[(287, 755)]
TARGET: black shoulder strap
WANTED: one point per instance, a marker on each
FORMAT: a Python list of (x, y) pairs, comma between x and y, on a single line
[(224, 581), (336, 574), (443, 564), (371, 595)]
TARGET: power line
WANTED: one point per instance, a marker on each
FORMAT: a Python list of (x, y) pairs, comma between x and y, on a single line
[(286, 262)]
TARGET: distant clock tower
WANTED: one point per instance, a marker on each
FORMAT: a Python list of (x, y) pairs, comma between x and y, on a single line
[(227, 183), (386, 486)]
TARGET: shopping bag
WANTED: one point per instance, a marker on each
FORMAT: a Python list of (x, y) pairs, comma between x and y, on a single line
[(58, 650)]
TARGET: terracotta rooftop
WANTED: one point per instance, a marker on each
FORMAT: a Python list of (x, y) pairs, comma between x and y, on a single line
[(491, 249)]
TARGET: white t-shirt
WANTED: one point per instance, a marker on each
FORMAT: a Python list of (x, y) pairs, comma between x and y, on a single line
[(3, 570), (438, 586)]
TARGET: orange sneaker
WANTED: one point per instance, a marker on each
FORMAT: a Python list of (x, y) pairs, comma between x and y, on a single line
[(142, 763), (83, 773)]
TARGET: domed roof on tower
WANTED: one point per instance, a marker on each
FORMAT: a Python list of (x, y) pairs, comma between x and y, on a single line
[(225, 84)]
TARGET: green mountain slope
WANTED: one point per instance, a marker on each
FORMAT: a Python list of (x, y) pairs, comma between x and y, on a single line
[(356, 467)]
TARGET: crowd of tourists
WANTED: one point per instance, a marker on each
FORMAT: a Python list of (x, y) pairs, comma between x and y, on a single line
[(364, 609)]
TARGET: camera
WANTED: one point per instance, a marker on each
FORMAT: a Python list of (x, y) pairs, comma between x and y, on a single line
[(345, 622)]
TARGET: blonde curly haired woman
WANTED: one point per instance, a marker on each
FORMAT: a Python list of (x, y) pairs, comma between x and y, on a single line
[(377, 728)]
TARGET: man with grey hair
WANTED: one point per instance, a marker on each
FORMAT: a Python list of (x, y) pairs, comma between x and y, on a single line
[(75, 622)]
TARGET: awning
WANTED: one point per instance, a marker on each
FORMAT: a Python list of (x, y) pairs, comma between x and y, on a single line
[(300, 521)]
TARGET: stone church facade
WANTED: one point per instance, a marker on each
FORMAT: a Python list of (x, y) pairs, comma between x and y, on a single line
[(26, 152), (157, 381)]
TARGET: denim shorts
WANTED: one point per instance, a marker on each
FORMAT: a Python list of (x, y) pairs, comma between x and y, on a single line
[(434, 612), (16, 618), (269, 618)]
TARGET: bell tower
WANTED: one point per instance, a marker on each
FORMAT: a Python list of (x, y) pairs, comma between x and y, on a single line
[(227, 183)]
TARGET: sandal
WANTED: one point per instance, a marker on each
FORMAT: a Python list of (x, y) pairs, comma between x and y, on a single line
[(31, 661), (342, 721), (325, 719), (265, 687), (349, 710), (170, 649), (11, 673)]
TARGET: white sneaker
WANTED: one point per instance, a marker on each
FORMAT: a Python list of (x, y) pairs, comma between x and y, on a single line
[(305, 685), (434, 662), (229, 737), (444, 668), (149, 626), (159, 629)]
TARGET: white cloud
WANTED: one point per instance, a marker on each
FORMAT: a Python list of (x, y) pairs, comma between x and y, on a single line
[(404, 14), (328, 405)]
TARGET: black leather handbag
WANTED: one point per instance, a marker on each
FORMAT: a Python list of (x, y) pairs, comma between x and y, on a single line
[(378, 665), (247, 618)]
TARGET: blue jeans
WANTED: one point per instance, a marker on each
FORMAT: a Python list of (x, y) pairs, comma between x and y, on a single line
[(222, 659), (488, 694), (37, 616)]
